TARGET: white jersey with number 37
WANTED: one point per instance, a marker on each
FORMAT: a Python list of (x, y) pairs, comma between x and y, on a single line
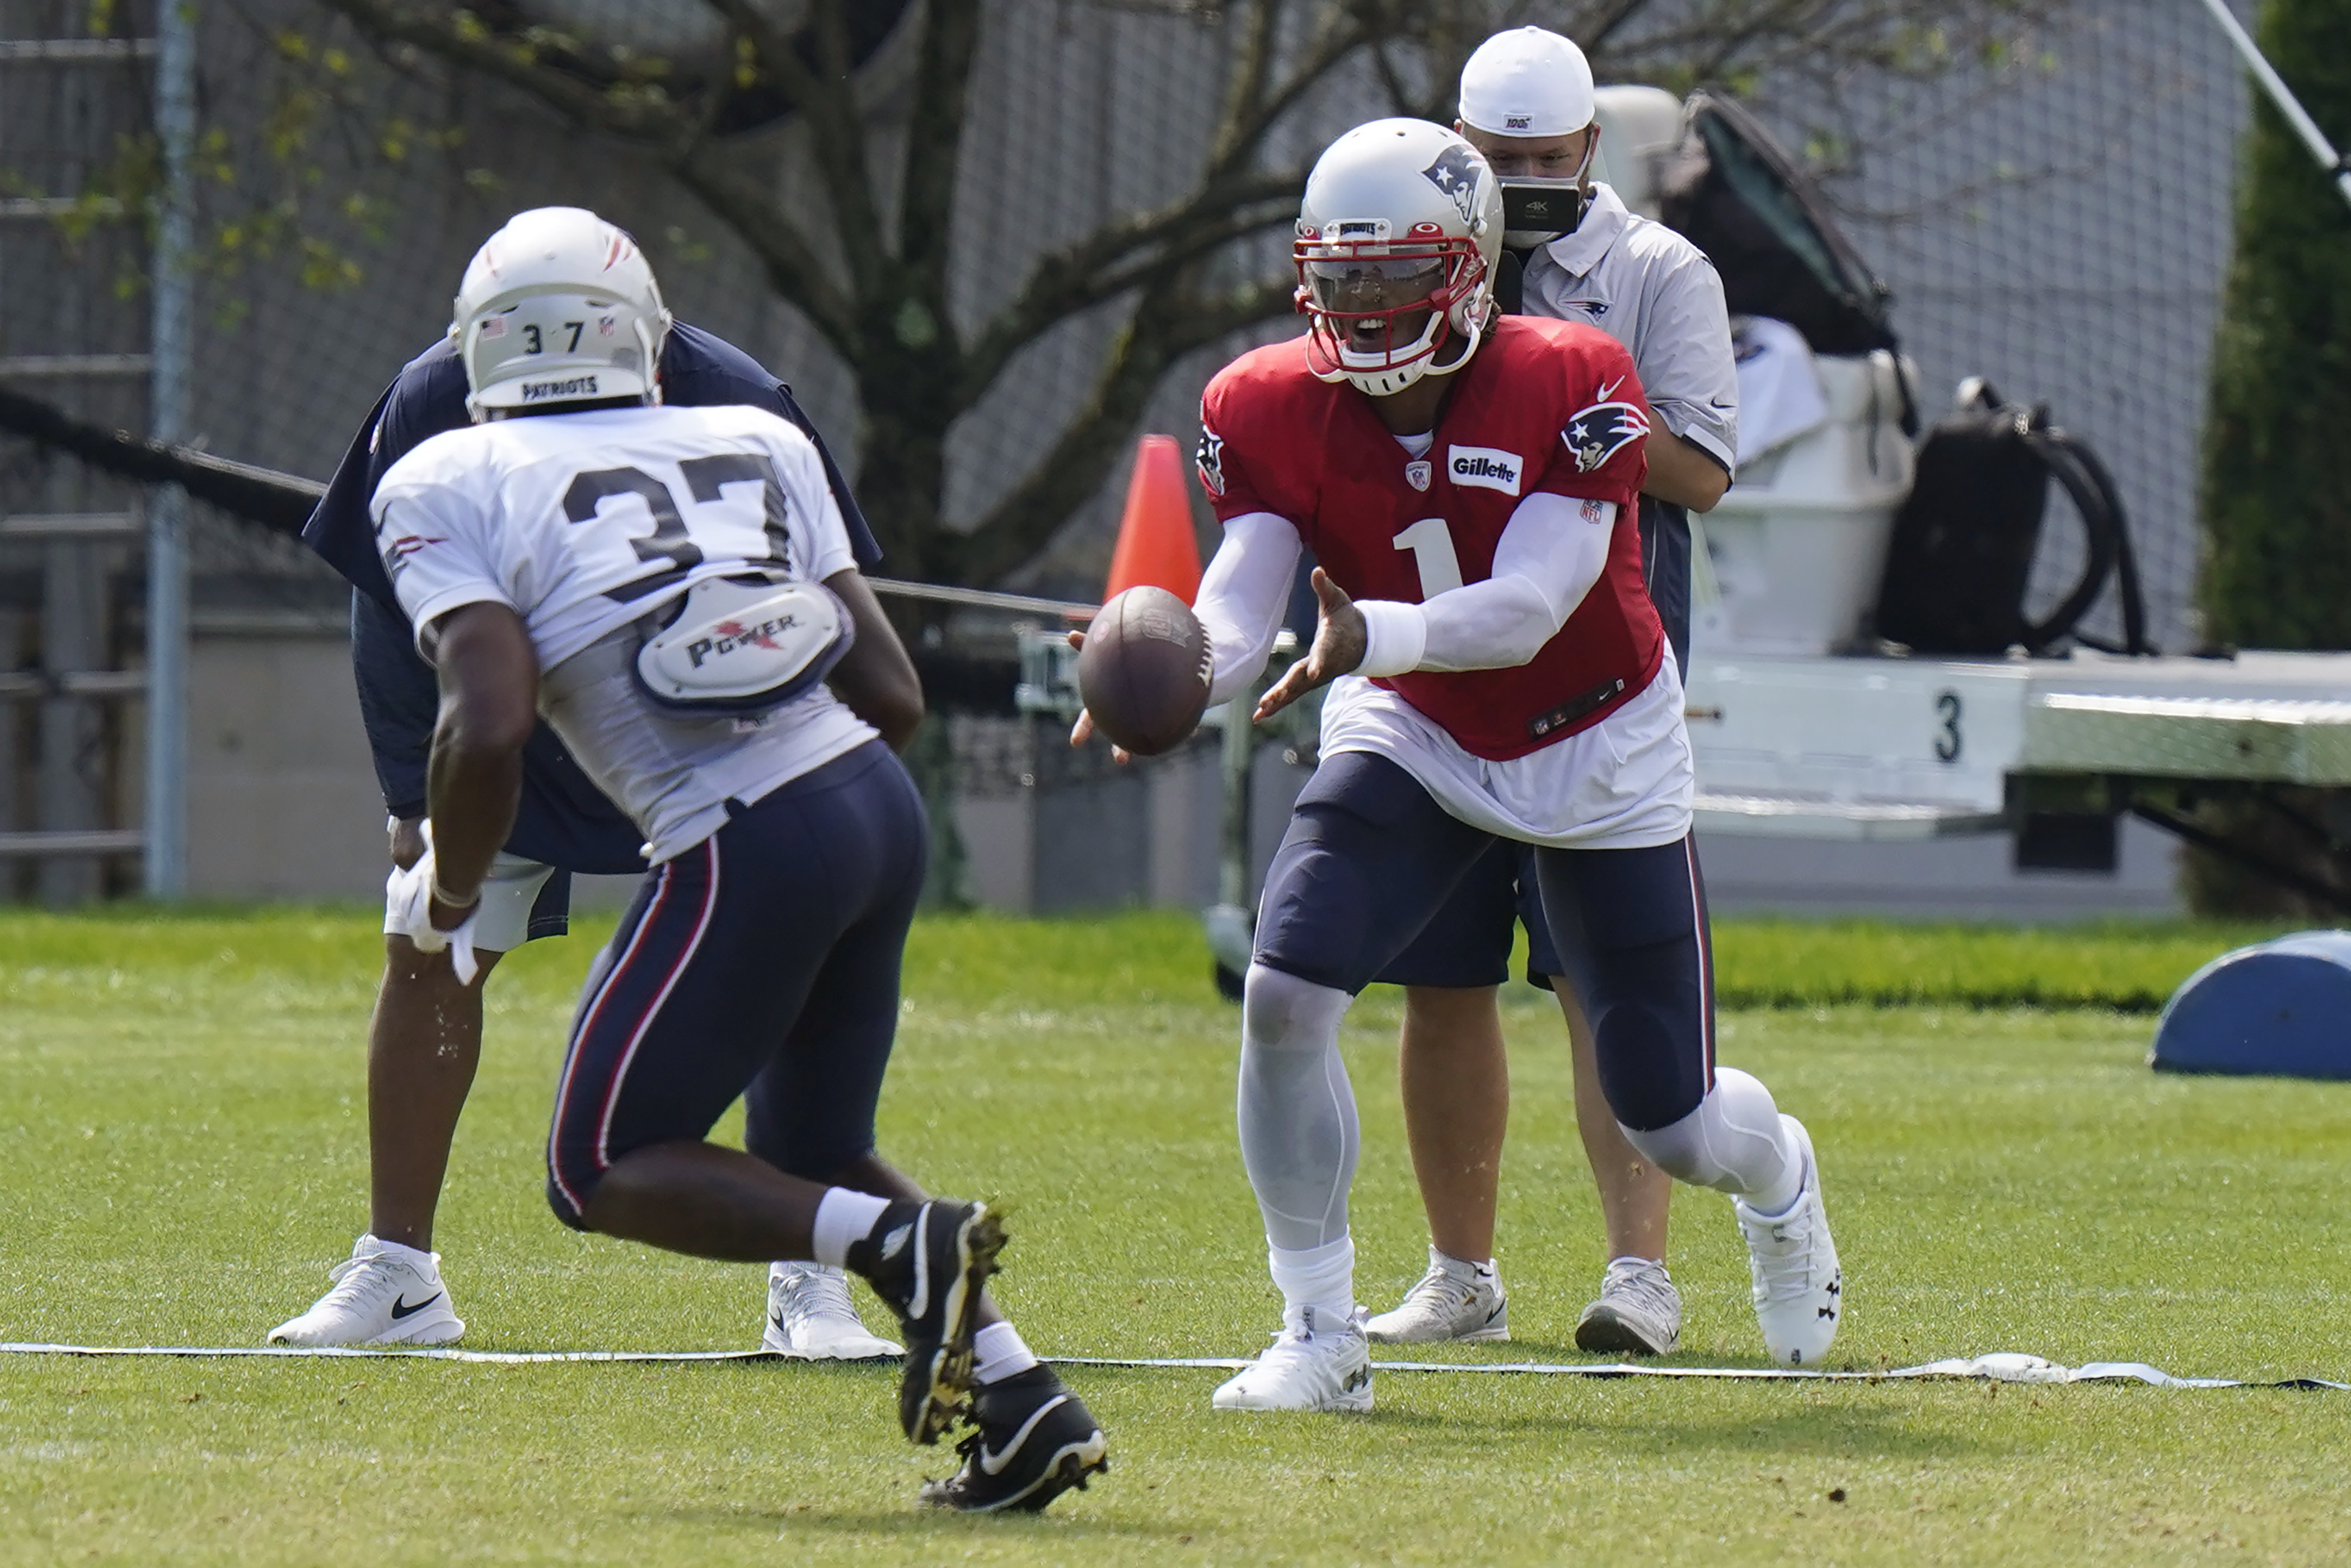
[(584, 524)]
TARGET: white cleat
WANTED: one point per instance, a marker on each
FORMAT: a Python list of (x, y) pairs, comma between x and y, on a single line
[(385, 1294), (1310, 1366), (1639, 1312), (1455, 1299), (811, 1318), (1798, 1289)]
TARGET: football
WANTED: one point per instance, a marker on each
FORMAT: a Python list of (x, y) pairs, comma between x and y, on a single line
[(1145, 669)]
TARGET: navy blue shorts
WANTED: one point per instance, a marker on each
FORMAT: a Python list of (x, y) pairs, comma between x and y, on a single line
[(1467, 942), (1665, 571), (1370, 859), (761, 964)]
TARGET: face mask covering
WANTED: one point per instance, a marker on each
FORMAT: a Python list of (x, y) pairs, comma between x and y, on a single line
[(1538, 211)]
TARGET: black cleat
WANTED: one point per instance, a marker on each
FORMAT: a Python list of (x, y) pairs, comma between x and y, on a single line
[(928, 1262), (1034, 1441)]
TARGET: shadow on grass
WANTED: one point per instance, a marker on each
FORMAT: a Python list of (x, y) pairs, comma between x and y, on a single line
[(1065, 1523), (1816, 1430)]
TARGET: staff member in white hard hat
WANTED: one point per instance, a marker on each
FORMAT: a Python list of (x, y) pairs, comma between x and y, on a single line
[(1526, 103)]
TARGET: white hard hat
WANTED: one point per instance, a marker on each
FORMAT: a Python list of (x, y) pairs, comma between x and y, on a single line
[(557, 307), (1529, 81), (1403, 201)]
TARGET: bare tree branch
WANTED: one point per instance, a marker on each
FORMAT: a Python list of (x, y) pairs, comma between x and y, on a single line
[(1167, 323), (828, 101), (887, 316), (1252, 62), (934, 143), (648, 119), (1111, 260)]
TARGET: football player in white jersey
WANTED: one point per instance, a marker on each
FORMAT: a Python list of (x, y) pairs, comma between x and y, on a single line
[(661, 584)]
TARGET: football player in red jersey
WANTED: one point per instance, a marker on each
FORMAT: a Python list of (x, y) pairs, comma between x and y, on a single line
[(1468, 484)]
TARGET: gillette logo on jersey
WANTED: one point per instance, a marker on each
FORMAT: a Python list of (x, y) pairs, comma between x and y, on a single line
[(1485, 466), (1315, 453)]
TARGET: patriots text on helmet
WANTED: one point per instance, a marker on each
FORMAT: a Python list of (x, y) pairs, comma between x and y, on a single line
[(575, 386)]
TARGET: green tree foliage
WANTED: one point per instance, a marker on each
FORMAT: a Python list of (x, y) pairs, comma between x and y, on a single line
[(2277, 464)]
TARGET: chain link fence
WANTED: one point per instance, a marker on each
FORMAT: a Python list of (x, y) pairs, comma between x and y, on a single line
[(2056, 219)]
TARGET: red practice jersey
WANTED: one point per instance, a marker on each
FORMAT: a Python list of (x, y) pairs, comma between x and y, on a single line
[(1543, 405)]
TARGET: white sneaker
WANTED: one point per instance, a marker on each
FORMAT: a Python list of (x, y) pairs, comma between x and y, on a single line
[(1455, 1299), (810, 1317), (1798, 1289), (385, 1294), (1310, 1366), (1639, 1312)]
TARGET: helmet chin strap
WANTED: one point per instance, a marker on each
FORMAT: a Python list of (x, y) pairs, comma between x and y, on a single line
[(1388, 383)]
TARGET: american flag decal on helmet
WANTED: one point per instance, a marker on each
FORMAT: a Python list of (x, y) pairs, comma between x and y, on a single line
[(1600, 431)]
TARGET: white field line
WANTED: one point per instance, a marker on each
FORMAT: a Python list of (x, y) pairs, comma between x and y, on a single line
[(2005, 1366)]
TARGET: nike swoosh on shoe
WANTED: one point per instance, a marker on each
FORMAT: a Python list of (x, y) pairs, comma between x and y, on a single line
[(920, 1302), (993, 1463), (401, 1309)]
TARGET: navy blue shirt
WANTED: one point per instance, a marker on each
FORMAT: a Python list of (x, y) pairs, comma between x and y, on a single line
[(564, 820)]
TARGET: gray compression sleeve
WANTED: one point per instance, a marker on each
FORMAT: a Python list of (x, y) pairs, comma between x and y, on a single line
[(1299, 1134), (1732, 1143)]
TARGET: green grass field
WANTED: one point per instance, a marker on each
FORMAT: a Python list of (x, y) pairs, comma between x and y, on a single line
[(181, 1105)]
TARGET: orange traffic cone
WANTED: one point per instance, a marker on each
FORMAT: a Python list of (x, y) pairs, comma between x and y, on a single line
[(1155, 535)]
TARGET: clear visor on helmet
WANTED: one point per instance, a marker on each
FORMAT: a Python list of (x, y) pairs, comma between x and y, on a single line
[(1380, 306), (1364, 285)]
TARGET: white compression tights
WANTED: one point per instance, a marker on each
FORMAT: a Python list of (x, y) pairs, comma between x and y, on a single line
[(1299, 1134), (1732, 1143)]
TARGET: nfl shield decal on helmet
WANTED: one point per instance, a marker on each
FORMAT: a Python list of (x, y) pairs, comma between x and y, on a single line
[(1456, 172), (1210, 460), (1600, 431), (1418, 473)]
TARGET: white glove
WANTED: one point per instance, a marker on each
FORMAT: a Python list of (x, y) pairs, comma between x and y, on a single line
[(408, 912)]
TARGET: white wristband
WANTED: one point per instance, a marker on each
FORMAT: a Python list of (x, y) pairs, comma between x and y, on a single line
[(1396, 635)]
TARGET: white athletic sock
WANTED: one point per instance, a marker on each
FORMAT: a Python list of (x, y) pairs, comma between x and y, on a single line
[(843, 1218), (1782, 1194), (425, 1263), (999, 1352), (1460, 1268), (1320, 1278)]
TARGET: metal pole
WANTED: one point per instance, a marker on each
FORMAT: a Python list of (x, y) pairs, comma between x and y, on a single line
[(2283, 96), (168, 416)]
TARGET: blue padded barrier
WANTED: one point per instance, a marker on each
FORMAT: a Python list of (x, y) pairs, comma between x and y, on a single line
[(2280, 1009)]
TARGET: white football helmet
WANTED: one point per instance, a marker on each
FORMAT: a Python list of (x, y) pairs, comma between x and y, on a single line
[(557, 307), (1400, 218)]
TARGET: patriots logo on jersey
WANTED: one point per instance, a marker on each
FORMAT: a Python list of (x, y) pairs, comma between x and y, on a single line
[(1210, 459), (1600, 431), (1456, 172)]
